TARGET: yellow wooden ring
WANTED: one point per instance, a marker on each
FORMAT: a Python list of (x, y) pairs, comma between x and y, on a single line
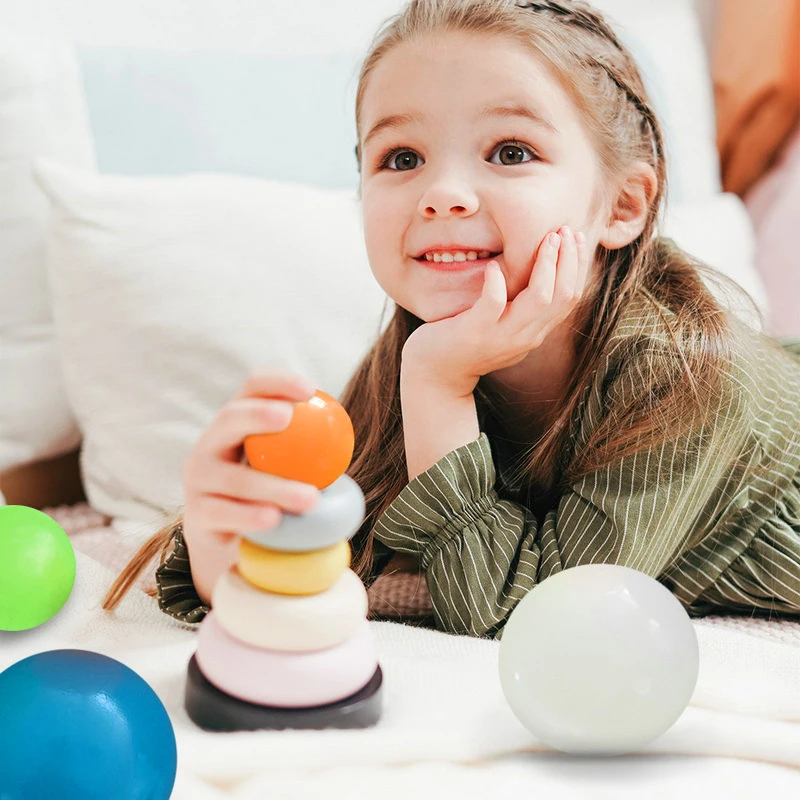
[(284, 572)]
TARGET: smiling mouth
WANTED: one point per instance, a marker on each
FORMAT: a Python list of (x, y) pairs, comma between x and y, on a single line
[(456, 255), (453, 265)]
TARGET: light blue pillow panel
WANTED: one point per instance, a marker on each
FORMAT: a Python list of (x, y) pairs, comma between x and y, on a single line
[(283, 118)]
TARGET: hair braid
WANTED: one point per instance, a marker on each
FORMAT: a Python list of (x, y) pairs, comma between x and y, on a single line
[(576, 13), (584, 16)]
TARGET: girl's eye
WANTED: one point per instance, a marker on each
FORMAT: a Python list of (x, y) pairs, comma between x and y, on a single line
[(404, 160), (512, 153), (401, 160)]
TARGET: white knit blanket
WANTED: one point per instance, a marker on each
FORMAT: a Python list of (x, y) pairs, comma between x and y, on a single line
[(445, 724)]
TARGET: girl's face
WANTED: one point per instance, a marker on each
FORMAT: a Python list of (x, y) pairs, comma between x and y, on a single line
[(468, 144)]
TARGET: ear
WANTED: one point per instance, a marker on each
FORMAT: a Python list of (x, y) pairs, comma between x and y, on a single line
[(631, 206)]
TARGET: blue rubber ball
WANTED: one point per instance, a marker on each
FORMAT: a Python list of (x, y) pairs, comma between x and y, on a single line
[(78, 724)]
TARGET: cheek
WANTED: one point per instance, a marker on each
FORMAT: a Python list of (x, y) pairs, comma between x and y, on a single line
[(378, 221), (525, 223), (545, 206), (530, 215), (383, 239)]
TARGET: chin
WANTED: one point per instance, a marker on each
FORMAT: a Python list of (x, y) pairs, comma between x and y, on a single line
[(436, 305), (434, 308)]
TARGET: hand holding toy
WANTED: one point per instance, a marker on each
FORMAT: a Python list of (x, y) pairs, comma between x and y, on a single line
[(224, 497)]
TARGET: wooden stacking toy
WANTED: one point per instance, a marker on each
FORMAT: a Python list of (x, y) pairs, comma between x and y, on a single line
[(287, 643)]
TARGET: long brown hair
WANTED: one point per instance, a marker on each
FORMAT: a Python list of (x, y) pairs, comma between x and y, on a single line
[(601, 77)]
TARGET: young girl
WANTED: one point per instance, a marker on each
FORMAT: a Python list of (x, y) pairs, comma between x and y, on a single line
[(557, 386)]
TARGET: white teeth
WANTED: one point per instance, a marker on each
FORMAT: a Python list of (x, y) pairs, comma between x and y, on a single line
[(472, 255)]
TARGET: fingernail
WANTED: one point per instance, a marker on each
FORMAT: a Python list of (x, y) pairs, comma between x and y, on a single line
[(580, 237), (553, 240), (312, 495), (285, 414), (566, 230), (267, 517)]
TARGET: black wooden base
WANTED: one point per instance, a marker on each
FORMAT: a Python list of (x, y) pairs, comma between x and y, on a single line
[(213, 710)]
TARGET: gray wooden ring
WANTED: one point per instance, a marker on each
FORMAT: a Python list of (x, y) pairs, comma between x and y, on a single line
[(336, 517)]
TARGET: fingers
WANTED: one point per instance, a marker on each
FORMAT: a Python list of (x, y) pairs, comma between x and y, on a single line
[(254, 501), (573, 270), (243, 483), (225, 498), (566, 287), (239, 419), (576, 267), (584, 261), (277, 383), (224, 518), (533, 302), (262, 405), (492, 302), (541, 286), (557, 282)]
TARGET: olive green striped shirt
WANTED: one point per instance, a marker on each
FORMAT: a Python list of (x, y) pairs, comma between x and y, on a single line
[(714, 515), (694, 513)]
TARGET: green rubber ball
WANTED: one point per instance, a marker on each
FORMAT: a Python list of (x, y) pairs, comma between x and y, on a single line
[(37, 568)]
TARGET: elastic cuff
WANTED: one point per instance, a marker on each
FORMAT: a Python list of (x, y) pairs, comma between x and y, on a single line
[(177, 595), (455, 525)]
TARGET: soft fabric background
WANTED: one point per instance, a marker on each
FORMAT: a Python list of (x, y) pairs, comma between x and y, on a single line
[(127, 46), (774, 206), (41, 114), (757, 96)]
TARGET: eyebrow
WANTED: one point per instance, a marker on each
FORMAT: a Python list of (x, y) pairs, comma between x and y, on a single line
[(519, 111), (401, 120)]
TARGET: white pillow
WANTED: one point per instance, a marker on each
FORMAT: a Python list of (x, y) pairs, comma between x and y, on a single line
[(168, 291), (42, 113), (720, 232)]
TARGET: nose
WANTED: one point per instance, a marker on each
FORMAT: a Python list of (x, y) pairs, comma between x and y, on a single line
[(447, 195)]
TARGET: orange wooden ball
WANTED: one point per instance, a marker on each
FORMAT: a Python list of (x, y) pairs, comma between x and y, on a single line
[(315, 448)]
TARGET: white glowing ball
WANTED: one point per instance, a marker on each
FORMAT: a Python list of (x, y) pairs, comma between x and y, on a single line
[(598, 659)]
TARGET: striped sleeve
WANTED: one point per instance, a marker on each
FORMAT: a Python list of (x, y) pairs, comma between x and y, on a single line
[(482, 554), (177, 595)]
